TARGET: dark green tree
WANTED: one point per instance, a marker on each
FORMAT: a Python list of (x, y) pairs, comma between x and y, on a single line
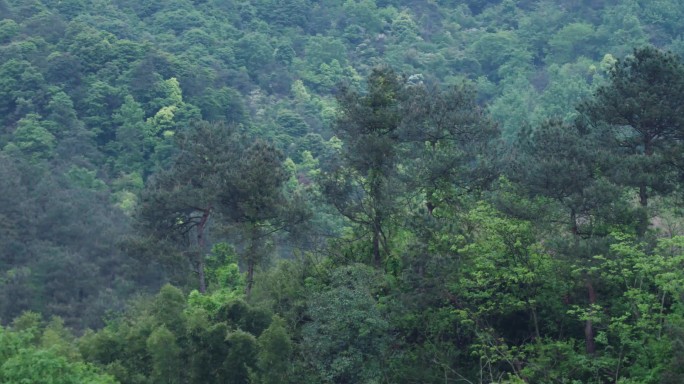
[(405, 140), (448, 142), (179, 202), (368, 125), (275, 353), (347, 336), (224, 104), (641, 106), (566, 163), (241, 357), (165, 355), (33, 138), (8, 29), (255, 202), (217, 171), (130, 141)]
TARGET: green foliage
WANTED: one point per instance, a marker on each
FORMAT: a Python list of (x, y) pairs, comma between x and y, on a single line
[(505, 265), (83, 178), (347, 335), (171, 339), (8, 29), (632, 342), (567, 84), (368, 126), (514, 107), (573, 40), (168, 308), (217, 171), (222, 268), (46, 367), (224, 104), (254, 52), (500, 54), (566, 163), (33, 138), (638, 108), (112, 184), (165, 355), (404, 142), (60, 274), (404, 28), (282, 290), (241, 358), (130, 135), (24, 360), (275, 353)]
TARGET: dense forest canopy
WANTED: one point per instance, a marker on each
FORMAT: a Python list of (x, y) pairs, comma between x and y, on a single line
[(341, 191)]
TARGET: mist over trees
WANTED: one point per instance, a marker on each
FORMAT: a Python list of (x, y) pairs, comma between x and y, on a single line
[(357, 191)]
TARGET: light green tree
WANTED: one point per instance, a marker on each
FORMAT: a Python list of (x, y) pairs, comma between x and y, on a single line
[(33, 138), (132, 133), (275, 352), (165, 354)]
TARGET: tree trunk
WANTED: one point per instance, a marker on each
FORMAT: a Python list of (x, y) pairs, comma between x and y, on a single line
[(643, 193), (250, 277), (588, 327), (375, 195), (643, 196), (573, 223), (201, 275), (201, 244), (252, 257), (535, 321), (377, 259)]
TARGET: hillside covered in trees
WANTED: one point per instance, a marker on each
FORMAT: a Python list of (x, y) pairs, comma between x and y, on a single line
[(341, 191)]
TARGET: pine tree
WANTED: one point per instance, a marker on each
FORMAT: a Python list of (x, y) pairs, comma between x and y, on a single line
[(362, 187), (218, 175), (179, 202), (642, 107)]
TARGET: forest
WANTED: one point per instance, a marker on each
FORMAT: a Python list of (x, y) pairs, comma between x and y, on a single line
[(341, 191)]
